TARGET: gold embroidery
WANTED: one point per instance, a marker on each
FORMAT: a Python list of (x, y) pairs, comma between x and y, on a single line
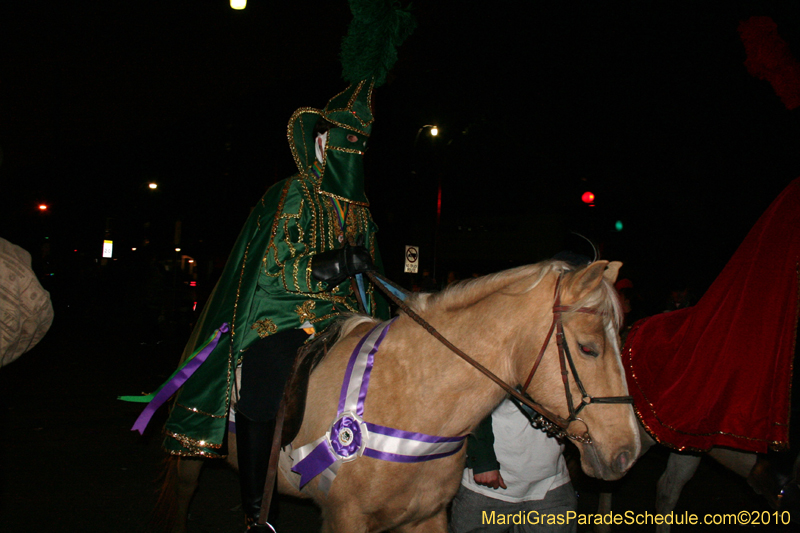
[(265, 327), (194, 447), (306, 311), (198, 411)]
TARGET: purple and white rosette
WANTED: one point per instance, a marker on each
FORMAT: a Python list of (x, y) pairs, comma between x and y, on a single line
[(350, 437)]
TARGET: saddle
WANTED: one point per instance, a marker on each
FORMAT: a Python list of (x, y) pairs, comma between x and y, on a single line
[(296, 390)]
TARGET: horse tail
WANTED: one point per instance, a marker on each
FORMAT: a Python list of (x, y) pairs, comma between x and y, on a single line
[(178, 484)]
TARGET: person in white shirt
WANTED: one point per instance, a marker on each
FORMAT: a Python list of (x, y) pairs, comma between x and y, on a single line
[(516, 479)]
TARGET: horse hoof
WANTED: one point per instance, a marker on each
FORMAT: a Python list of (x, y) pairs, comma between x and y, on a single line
[(789, 500)]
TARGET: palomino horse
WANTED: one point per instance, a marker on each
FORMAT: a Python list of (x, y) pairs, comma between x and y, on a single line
[(418, 385)]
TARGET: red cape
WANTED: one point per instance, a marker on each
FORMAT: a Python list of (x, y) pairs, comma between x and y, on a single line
[(720, 373)]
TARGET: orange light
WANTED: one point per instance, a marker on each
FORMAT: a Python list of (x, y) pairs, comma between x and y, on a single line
[(42, 207), (588, 197)]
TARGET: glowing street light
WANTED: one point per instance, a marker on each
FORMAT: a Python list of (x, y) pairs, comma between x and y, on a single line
[(153, 185), (238, 4), (434, 131), (42, 207)]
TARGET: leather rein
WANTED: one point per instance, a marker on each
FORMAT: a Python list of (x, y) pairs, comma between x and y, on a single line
[(539, 416)]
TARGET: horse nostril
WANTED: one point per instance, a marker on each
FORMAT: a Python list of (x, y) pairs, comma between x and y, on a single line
[(623, 461)]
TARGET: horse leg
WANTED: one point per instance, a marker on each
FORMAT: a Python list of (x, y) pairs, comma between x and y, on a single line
[(180, 482), (433, 524), (188, 474), (680, 469), (343, 519), (760, 474)]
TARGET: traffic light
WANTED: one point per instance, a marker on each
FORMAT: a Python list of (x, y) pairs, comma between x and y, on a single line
[(588, 198)]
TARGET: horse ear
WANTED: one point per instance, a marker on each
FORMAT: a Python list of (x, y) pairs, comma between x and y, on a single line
[(612, 271), (587, 280)]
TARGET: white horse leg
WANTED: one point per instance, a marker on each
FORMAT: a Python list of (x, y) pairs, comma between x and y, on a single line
[(741, 463), (680, 469)]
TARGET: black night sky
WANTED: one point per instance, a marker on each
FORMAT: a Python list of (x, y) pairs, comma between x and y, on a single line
[(646, 104)]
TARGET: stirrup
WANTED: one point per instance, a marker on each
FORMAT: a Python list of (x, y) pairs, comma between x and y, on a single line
[(260, 528)]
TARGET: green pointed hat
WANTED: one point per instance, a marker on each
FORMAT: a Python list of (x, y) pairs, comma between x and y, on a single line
[(369, 50)]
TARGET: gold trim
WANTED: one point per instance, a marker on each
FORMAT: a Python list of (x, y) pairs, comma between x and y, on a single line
[(264, 327), (199, 412), (345, 150), (194, 447), (305, 311)]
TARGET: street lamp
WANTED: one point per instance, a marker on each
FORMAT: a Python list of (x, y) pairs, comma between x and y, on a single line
[(238, 4), (434, 131)]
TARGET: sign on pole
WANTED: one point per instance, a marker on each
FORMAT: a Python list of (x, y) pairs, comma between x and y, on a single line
[(107, 248), (412, 259)]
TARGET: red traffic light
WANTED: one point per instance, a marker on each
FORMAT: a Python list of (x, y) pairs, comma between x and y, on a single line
[(588, 197)]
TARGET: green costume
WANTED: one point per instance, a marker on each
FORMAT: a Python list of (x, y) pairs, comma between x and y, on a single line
[(267, 285), (293, 267)]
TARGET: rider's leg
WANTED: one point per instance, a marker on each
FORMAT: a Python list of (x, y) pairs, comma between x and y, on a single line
[(265, 369)]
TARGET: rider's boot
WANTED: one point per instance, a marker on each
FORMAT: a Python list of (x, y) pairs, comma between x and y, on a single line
[(253, 445)]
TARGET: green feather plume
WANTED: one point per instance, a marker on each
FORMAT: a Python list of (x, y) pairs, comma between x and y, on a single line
[(370, 47)]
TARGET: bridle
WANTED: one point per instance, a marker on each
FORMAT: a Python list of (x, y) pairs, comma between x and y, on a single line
[(557, 426), (538, 415)]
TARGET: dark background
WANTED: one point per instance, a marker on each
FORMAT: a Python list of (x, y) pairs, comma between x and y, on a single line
[(648, 105)]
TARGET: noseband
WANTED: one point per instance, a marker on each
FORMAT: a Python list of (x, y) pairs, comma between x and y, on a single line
[(550, 422), (539, 416)]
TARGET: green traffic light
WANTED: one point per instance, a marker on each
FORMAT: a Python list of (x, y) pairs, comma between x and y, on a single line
[(618, 225)]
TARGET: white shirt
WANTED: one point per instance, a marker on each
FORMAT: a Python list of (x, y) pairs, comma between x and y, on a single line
[(531, 463)]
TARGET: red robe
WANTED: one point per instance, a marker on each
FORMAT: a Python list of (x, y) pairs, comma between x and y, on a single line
[(720, 373)]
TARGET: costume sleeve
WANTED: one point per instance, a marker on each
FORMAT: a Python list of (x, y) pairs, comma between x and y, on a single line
[(292, 243), (480, 448)]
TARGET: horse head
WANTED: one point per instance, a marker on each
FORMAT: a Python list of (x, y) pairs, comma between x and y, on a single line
[(580, 376)]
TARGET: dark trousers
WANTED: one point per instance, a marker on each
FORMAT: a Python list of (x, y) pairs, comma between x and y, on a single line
[(266, 367)]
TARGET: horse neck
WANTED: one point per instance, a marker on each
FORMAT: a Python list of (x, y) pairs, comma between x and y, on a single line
[(500, 330)]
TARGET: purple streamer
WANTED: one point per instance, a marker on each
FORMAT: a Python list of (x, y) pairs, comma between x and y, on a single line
[(397, 458), (314, 463), (362, 394), (349, 371), (422, 437), (177, 382)]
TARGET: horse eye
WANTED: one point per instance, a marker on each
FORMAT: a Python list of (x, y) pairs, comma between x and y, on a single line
[(587, 351)]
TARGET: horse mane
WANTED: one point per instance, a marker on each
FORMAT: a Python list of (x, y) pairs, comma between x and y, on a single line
[(466, 293), (469, 292)]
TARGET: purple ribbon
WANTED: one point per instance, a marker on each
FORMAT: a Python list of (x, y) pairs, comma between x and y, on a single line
[(346, 436), (349, 436), (320, 458), (172, 386)]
